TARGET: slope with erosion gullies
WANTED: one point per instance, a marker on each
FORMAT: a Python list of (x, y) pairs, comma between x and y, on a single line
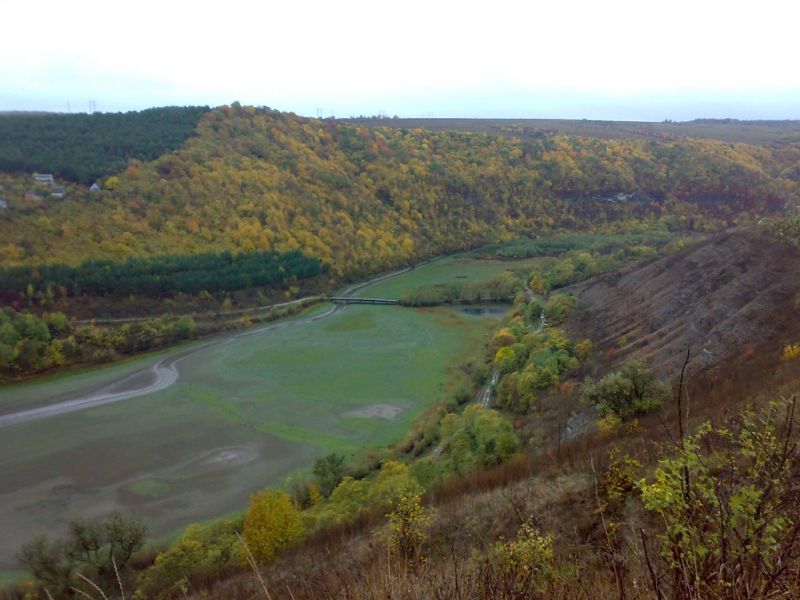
[(370, 199), (733, 297)]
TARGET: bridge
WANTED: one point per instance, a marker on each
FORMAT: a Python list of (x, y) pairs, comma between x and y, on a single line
[(349, 300)]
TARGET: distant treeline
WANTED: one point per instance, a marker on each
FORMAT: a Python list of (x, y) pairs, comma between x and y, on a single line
[(560, 244), (84, 147), (760, 122), (162, 275), (501, 288)]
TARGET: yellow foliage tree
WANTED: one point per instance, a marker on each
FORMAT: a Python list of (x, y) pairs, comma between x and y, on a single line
[(272, 522), (503, 337), (392, 480)]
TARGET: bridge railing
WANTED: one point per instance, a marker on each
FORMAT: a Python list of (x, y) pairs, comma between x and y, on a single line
[(348, 300)]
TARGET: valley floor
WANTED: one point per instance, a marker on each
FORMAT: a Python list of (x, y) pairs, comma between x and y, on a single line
[(240, 412)]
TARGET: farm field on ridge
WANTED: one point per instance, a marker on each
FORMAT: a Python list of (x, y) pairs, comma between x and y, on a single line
[(242, 415)]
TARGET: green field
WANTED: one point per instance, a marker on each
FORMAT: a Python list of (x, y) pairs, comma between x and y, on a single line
[(244, 413), (446, 270)]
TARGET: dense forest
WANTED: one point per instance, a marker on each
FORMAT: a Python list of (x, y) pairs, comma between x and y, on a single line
[(366, 199), (160, 276), (86, 147)]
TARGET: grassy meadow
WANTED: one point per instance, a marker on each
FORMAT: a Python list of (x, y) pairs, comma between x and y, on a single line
[(246, 412), (451, 269)]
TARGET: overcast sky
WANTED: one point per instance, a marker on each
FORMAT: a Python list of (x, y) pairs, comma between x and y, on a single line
[(610, 59)]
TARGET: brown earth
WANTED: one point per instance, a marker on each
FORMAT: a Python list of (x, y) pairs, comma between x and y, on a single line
[(731, 297)]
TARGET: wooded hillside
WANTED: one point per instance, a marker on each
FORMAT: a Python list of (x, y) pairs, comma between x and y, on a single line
[(369, 199)]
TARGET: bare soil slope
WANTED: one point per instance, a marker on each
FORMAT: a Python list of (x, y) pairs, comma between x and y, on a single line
[(733, 296)]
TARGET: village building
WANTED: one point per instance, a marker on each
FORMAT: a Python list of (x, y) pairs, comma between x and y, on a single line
[(95, 187), (3, 203), (58, 192), (43, 178)]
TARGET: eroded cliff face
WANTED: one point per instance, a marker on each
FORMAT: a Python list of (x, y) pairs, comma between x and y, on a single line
[(734, 296)]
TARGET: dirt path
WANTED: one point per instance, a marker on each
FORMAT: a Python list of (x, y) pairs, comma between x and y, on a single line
[(164, 372)]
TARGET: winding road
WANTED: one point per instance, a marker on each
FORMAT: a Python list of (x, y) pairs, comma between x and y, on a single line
[(164, 372)]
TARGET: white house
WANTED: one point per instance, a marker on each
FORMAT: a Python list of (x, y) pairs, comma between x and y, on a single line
[(45, 178), (3, 203), (95, 187)]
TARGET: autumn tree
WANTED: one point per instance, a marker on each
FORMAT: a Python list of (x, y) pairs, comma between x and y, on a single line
[(272, 523)]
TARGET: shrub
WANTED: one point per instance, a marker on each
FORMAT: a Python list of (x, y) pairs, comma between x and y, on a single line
[(629, 391), (559, 307), (408, 522), (518, 568), (503, 337), (609, 424), (791, 352), (97, 550), (478, 437), (346, 501), (619, 477), (202, 547), (506, 359), (727, 510), (517, 392), (272, 522), (392, 480), (328, 472), (534, 311), (583, 349)]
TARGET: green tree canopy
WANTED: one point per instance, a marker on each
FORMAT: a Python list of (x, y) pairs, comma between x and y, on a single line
[(631, 390)]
